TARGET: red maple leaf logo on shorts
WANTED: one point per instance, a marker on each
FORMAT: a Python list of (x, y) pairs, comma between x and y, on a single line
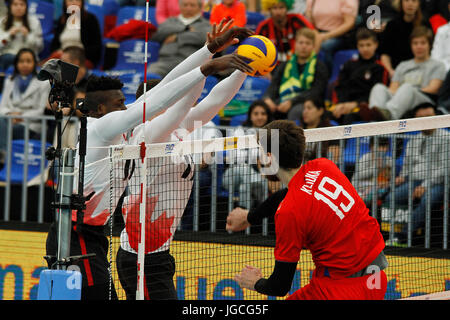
[(156, 232)]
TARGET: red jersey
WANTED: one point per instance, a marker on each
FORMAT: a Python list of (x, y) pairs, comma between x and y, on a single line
[(323, 213)]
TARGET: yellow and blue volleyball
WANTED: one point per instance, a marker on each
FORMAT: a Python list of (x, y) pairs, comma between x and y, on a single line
[(260, 53)]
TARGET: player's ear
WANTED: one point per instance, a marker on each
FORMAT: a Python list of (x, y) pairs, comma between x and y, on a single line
[(101, 109)]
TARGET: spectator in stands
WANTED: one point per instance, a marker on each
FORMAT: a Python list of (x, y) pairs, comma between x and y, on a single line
[(441, 44), (303, 75), (431, 8), (363, 178), (299, 7), (166, 9), (441, 52), (281, 26), (333, 20), (18, 30), (394, 41), (389, 10), (88, 35), (258, 115), (424, 165), (23, 95), (314, 116), (180, 36), (245, 175), (3, 9), (357, 77), (415, 81), (229, 9)]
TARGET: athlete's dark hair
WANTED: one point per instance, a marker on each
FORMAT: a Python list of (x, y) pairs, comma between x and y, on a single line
[(150, 84), (97, 90), (291, 142)]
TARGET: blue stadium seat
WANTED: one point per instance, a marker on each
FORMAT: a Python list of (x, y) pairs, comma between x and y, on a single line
[(253, 19), (109, 7), (350, 149), (131, 55), (207, 15), (18, 158), (131, 82), (252, 89), (339, 59), (44, 11), (238, 120), (59, 285), (210, 82), (135, 12), (98, 12)]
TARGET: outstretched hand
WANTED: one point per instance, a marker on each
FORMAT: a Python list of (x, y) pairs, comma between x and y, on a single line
[(223, 36), (229, 61)]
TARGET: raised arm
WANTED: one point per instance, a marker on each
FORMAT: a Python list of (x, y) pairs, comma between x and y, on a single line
[(219, 97), (220, 38), (160, 128)]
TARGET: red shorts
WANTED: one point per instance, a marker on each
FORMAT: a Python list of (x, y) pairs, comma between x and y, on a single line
[(369, 287)]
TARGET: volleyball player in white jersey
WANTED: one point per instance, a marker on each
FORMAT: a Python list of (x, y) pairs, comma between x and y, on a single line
[(112, 119), (169, 186)]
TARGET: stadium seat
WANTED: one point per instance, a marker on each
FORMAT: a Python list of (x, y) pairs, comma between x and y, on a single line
[(252, 89), (340, 58), (135, 12), (131, 82), (130, 56), (18, 158), (238, 120), (207, 15), (350, 149), (253, 19), (210, 82), (44, 11), (97, 11)]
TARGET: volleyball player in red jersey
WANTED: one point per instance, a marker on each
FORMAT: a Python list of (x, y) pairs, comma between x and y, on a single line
[(322, 212)]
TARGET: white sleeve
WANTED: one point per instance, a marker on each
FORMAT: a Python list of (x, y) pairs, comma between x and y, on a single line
[(118, 122), (220, 96), (160, 128), (193, 61)]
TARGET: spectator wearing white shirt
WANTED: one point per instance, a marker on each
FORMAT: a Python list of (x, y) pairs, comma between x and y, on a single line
[(441, 52)]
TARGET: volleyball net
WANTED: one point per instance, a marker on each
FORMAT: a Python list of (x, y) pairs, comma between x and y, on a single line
[(175, 197)]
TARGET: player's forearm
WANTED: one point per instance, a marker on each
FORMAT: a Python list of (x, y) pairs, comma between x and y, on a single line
[(116, 123), (267, 208), (219, 97), (193, 61), (280, 282), (161, 127)]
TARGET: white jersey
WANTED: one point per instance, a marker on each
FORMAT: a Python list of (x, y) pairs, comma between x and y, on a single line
[(110, 129), (170, 179)]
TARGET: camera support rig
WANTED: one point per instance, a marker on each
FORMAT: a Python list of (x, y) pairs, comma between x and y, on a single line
[(62, 78)]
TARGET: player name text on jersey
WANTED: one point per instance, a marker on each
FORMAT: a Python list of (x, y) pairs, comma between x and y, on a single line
[(310, 179)]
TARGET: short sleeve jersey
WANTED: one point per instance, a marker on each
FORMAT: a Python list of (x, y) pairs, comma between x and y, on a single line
[(323, 213)]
